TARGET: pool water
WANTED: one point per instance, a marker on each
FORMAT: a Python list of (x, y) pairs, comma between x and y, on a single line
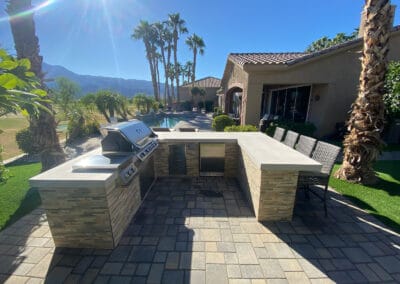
[(168, 122)]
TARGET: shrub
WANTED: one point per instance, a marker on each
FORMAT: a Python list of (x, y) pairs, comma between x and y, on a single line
[(24, 139), (78, 127), (304, 128), (4, 173), (392, 86), (217, 111), (220, 122), (241, 128)]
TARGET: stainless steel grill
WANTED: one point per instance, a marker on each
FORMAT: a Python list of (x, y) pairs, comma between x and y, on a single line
[(125, 146)]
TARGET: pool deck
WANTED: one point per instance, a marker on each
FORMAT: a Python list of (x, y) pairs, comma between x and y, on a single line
[(181, 235)]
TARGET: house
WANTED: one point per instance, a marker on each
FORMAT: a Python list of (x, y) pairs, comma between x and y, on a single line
[(314, 87), (209, 84)]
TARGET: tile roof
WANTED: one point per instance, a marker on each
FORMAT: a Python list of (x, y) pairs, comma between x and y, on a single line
[(289, 58), (207, 82), (265, 58)]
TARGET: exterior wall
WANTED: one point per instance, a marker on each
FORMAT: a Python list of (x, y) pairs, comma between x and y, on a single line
[(186, 95), (334, 78), (237, 78)]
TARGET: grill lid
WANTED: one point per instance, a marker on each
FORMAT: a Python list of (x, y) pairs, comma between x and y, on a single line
[(127, 136)]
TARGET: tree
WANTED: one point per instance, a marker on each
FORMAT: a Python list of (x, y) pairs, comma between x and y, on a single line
[(27, 46), (188, 70), (392, 91), (109, 103), (146, 32), (196, 44), (19, 88), (325, 42), (362, 144), (65, 94), (177, 25)]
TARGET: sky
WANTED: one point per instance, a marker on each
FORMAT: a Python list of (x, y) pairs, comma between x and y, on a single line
[(93, 37)]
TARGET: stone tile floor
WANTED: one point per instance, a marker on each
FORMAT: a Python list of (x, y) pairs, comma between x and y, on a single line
[(181, 235)]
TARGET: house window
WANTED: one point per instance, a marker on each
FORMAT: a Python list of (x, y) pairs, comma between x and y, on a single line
[(290, 103)]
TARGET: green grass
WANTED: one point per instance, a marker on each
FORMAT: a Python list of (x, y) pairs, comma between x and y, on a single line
[(382, 199), (16, 197)]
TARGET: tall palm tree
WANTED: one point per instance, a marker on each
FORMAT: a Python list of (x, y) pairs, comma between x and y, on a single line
[(146, 32), (189, 70), (196, 44), (26, 43), (162, 37), (362, 144), (177, 25)]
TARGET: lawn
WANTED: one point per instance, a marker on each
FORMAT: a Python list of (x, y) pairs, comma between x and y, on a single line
[(381, 200), (16, 196), (11, 125)]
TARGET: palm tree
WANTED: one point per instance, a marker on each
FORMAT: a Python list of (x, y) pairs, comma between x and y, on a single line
[(196, 44), (178, 27), (146, 32), (171, 75), (189, 70), (26, 43), (362, 144), (162, 36)]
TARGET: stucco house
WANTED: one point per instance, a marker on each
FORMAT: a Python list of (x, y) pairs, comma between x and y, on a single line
[(305, 87), (209, 84)]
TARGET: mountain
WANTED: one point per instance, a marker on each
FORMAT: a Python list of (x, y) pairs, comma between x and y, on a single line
[(91, 84)]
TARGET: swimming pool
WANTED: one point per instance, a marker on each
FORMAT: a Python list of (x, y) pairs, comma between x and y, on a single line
[(168, 122)]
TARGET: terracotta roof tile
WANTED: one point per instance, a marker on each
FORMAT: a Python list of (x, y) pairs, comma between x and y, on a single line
[(207, 82), (265, 58), (289, 58)]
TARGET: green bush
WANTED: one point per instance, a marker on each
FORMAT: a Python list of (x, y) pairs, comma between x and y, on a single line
[(78, 128), (304, 128), (4, 172), (241, 128), (220, 122), (24, 139), (392, 87), (217, 111)]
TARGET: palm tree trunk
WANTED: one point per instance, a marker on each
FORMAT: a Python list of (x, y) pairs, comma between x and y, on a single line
[(363, 143), (26, 43), (194, 64), (176, 68)]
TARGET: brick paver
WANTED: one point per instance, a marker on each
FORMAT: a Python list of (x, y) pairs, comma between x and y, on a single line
[(182, 236)]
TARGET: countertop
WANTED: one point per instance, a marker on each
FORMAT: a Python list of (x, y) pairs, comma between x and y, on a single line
[(62, 176), (264, 151)]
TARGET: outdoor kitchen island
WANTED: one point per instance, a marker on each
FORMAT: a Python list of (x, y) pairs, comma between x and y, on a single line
[(266, 169), (93, 209)]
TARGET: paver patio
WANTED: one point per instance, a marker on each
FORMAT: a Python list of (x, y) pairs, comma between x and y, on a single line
[(183, 235)]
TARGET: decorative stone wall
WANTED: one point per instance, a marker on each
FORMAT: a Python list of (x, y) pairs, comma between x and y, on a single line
[(192, 159), (271, 193), (161, 163), (231, 160), (90, 217), (278, 192), (123, 202), (250, 180)]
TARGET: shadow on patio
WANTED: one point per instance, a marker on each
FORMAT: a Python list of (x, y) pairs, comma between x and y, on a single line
[(184, 234)]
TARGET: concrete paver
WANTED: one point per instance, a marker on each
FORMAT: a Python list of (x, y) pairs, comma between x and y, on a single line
[(181, 236)]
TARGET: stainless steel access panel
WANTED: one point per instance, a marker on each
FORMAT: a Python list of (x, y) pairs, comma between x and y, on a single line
[(212, 159)]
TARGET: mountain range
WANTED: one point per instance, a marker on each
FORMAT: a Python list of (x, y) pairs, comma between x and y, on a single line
[(91, 84)]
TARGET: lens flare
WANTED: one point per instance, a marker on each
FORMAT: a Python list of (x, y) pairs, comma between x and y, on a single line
[(34, 9)]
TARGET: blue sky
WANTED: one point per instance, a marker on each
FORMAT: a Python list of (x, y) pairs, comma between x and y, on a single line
[(93, 36)]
